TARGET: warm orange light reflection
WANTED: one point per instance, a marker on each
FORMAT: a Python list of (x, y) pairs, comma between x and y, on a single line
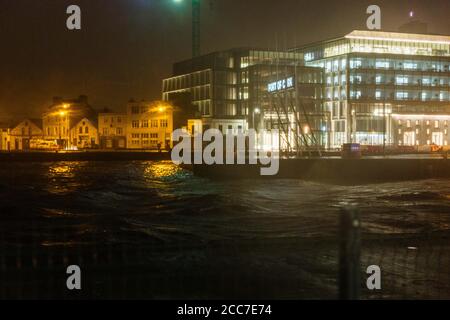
[(162, 170)]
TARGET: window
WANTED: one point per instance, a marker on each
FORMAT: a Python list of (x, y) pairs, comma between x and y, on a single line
[(355, 79), (144, 109), (119, 131), (145, 136), (105, 131), (154, 123), (436, 124), (135, 109), (402, 80), (163, 123), (354, 64), (80, 130), (86, 130), (402, 95), (135, 124), (410, 66), (144, 123), (378, 95), (382, 65), (154, 136)]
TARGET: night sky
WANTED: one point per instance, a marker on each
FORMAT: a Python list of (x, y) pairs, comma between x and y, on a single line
[(126, 47)]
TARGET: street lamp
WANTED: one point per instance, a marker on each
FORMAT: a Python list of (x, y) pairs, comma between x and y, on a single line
[(61, 115)]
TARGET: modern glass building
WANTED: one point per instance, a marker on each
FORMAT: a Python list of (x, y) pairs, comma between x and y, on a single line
[(367, 87), (384, 88), (229, 90)]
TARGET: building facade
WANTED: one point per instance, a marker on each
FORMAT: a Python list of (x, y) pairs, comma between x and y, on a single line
[(218, 84), (5, 144), (62, 116), (229, 90), (384, 88), (112, 130), (22, 135), (84, 134), (149, 125)]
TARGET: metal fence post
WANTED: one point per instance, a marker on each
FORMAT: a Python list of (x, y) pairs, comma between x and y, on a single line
[(349, 254)]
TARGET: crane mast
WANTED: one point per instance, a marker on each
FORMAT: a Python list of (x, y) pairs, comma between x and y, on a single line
[(195, 28)]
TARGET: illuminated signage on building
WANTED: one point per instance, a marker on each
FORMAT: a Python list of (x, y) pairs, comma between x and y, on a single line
[(281, 85)]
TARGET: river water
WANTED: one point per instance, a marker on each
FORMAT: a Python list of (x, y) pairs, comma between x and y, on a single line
[(152, 230)]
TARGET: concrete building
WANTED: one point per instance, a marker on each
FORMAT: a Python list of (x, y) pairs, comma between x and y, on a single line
[(62, 116), (84, 134), (149, 125), (23, 134), (112, 130)]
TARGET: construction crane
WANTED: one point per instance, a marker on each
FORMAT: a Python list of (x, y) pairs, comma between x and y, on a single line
[(195, 26)]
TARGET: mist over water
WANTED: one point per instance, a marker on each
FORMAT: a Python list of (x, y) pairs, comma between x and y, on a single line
[(280, 228)]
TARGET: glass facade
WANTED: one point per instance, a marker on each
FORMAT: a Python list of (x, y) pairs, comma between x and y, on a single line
[(371, 76), (218, 84)]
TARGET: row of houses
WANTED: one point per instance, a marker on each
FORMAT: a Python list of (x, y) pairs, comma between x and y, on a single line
[(72, 124)]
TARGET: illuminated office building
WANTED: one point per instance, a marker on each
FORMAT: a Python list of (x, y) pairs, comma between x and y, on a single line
[(229, 91), (385, 88), (367, 87)]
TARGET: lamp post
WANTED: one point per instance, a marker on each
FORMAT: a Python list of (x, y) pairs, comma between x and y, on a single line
[(61, 115), (163, 110)]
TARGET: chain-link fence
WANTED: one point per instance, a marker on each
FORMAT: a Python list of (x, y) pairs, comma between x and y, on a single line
[(414, 265)]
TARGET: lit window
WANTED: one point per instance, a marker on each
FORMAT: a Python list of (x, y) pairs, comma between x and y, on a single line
[(401, 95), (436, 124), (378, 94), (354, 64), (382, 65), (410, 66), (401, 80)]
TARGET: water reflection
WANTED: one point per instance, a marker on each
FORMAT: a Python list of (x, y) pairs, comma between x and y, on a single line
[(160, 170), (63, 177)]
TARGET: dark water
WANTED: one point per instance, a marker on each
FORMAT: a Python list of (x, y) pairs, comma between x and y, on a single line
[(152, 230)]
